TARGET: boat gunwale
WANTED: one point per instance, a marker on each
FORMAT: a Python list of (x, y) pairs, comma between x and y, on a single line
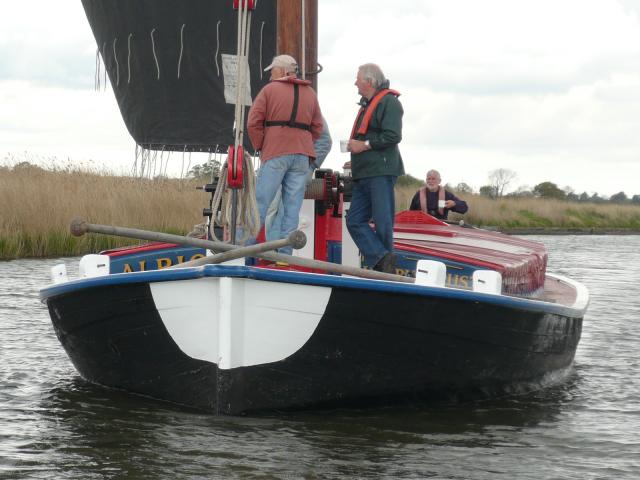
[(577, 309)]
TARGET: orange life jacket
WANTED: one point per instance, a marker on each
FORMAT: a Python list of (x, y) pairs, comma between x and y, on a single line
[(368, 112), (423, 200)]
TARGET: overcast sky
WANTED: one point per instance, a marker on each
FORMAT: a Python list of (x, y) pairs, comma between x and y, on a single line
[(549, 88)]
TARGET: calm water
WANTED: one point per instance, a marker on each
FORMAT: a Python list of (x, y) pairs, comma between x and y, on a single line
[(54, 425)]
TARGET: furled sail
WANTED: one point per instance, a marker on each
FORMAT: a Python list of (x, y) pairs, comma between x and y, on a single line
[(172, 66)]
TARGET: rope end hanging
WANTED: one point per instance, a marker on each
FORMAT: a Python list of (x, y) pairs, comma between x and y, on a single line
[(115, 57), (215, 57), (153, 49), (260, 54), (96, 78), (181, 47), (129, 58)]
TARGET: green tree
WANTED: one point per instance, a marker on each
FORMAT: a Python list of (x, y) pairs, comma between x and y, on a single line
[(522, 191), (206, 171), (619, 197), (549, 190), (488, 191), (572, 197), (635, 199)]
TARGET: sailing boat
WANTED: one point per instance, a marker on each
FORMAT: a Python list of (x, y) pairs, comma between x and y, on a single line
[(474, 311)]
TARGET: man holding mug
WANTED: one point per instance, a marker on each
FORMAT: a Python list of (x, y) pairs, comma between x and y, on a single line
[(434, 200), (375, 165)]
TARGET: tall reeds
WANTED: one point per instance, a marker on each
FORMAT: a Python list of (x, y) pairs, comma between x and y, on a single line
[(37, 205)]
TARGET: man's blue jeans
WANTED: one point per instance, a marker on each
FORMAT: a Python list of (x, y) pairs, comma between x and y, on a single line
[(289, 172), (372, 198), (273, 223), (275, 214)]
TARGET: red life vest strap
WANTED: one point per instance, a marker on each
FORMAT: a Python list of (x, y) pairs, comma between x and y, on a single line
[(423, 200), (369, 109)]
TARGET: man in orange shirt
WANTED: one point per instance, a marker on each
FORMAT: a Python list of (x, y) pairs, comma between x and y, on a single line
[(283, 123)]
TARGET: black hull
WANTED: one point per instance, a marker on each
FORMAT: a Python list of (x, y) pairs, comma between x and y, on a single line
[(115, 337), (366, 346)]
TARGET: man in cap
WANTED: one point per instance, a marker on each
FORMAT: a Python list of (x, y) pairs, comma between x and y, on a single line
[(284, 121)]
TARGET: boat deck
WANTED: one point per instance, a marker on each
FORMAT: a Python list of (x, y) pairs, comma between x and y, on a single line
[(558, 291)]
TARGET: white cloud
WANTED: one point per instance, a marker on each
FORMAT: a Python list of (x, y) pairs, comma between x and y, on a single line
[(63, 123), (46, 42)]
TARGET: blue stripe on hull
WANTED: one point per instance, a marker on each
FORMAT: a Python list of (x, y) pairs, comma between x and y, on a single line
[(310, 279)]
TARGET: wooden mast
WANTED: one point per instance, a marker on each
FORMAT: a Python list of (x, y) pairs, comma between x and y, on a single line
[(289, 37)]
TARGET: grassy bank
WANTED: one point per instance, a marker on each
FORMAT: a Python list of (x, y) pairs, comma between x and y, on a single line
[(37, 205), (535, 214)]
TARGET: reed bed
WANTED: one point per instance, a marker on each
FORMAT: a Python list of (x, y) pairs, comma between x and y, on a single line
[(37, 205)]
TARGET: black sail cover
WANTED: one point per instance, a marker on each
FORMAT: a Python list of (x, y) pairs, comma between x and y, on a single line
[(166, 59)]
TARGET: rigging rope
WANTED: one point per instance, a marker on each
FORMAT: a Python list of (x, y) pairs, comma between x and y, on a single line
[(303, 39), (247, 210)]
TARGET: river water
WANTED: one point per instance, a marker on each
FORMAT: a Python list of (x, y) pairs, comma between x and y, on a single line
[(55, 425)]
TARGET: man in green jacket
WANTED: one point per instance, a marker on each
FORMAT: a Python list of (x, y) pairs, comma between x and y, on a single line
[(376, 163)]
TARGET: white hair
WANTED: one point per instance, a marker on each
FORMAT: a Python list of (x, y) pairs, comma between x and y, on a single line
[(372, 73), (434, 172)]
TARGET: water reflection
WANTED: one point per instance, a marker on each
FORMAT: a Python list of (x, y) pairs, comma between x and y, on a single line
[(85, 427)]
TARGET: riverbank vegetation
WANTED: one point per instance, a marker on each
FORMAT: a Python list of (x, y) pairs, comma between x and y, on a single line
[(37, 205), (535, 212)]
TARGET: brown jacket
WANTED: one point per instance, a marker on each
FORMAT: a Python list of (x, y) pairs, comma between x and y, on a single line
[(274, 103)]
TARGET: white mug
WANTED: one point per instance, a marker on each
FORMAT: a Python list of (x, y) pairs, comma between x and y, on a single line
[(441, 203), (344, 144)]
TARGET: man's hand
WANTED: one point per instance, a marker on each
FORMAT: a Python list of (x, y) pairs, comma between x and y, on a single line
[(357, 146), (449, 204)]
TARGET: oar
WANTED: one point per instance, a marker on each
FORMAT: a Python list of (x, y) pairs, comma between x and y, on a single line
[(80, 227), (295, 239)]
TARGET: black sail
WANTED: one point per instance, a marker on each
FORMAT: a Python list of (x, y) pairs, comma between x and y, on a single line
[(165, 64)]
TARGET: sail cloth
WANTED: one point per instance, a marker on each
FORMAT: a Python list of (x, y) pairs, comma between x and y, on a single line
[(170, 61)]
